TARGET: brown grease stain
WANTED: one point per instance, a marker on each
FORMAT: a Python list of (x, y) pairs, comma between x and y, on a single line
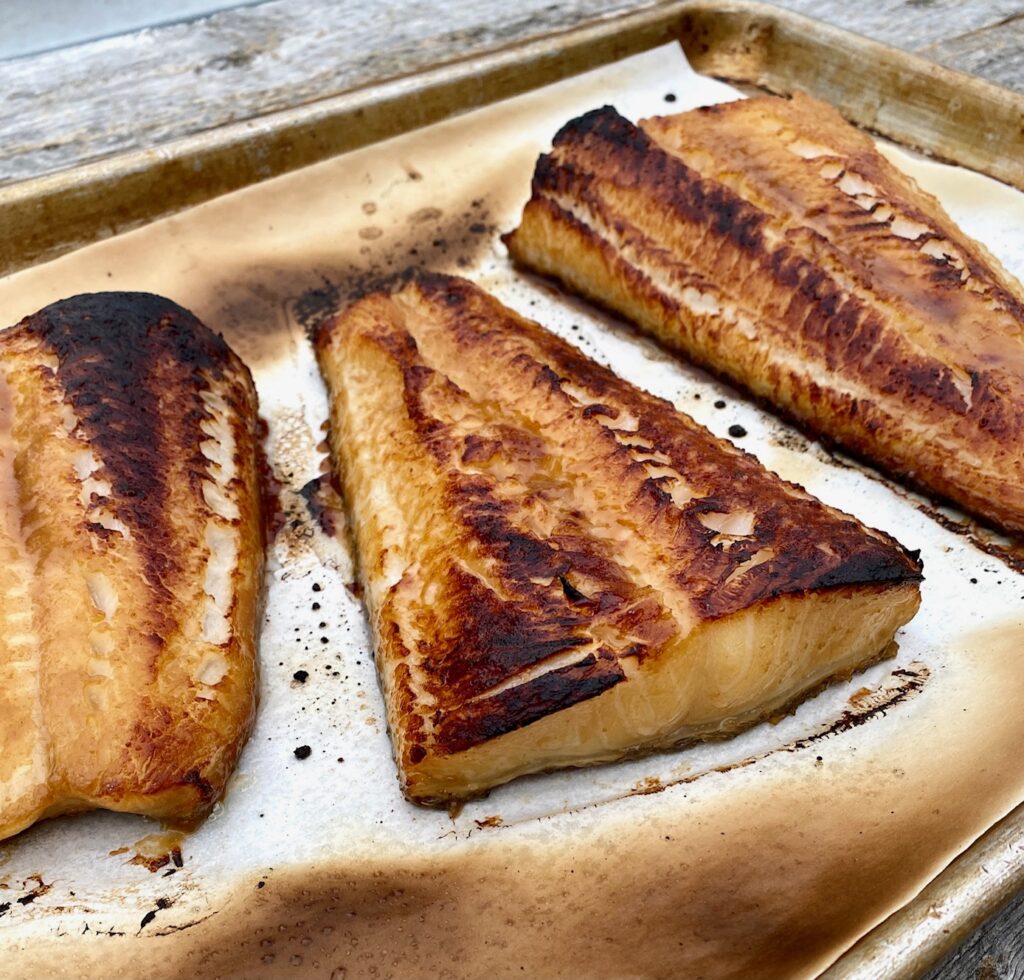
[(647, 786), (270, 488), (264, 309), (982, 537), (155, 851), (314, 511), (40, 888), (423, 215), (37, 891)]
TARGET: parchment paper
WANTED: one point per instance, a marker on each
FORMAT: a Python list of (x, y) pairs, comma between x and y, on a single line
[(770, 853)]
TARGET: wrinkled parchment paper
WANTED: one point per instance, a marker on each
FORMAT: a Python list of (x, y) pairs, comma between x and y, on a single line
[(770, 853)]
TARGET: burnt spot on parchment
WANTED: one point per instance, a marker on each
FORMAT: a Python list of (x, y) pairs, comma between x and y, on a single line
[(161, 904), (428, 239), (38, 890), (323, 500), (250, 306), (264, 309), (317, 303)]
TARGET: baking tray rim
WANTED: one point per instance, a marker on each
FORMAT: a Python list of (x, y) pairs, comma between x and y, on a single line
[(55, 213)]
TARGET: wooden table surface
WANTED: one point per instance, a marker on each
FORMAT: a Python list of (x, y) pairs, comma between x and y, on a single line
[(83, 103)]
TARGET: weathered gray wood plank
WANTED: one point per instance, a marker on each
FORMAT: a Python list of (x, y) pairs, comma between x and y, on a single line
[(995, 53), (993, 952), (908, 24)]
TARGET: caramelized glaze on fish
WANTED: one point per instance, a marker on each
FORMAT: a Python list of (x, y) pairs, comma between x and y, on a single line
[(561, 569), (770, 241), (131, 560)]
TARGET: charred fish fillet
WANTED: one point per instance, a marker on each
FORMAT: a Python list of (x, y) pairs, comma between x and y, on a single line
[(131, 557), (561, 569), (769, 241)]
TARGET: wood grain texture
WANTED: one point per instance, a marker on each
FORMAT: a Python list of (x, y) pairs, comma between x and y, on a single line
[(995, 53), (994, 952), (89, 101), (909, 24), (67, 107)]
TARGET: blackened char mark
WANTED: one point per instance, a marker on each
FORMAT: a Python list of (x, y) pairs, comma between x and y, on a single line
[(517, 707), (323, 501), (640, 162), (856, 561), (606, 124), (202, 787), (872, 566), (483, 640), (117, 354), (571, 592), (521, 556)]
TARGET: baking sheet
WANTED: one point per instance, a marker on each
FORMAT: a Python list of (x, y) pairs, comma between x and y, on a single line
[(769, 853)]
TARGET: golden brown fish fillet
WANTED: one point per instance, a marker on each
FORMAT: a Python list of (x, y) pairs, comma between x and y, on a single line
[(131, 559), (561, 569), (770, 241)]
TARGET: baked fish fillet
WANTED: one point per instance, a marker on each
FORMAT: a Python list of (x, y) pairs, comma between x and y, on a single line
[(561, 569), (769, 241), (131, 557)]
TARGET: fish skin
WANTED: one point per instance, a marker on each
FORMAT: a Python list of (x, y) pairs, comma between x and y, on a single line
[(132, 542), (534, 534), (769, 241)]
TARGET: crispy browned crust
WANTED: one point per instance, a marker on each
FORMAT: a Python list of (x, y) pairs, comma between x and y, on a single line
[(770, 241), (531, 529), (134, 663)]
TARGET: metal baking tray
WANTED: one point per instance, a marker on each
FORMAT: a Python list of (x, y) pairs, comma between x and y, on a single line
[(916, 103), (920, 105)]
